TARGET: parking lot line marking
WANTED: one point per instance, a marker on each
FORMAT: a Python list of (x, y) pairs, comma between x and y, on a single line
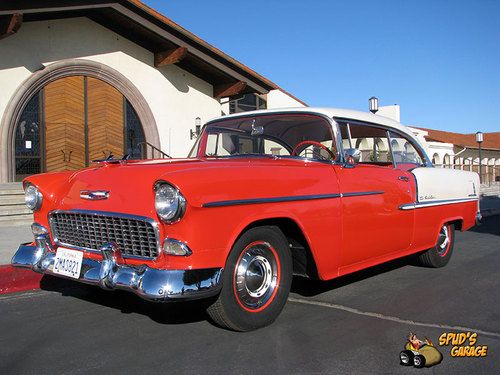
[(391, 318), (23, 295)]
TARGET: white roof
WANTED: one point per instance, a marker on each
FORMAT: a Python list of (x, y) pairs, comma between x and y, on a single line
[(337, 113), (343, 114)]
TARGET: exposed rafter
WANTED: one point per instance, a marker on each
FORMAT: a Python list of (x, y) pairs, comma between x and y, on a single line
[(171, 56), (223, 91), (9, 24)]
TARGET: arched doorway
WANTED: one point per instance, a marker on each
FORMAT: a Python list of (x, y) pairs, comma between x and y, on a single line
[(72, 121), (35, 84)]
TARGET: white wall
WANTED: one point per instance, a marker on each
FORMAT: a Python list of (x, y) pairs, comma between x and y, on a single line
[(391, 111), (174, 96), (279, 99)]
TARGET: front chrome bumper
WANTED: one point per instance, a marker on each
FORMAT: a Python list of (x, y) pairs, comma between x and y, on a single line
[(149, 283)]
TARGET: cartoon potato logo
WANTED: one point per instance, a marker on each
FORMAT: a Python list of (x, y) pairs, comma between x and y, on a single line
[(419, 353)]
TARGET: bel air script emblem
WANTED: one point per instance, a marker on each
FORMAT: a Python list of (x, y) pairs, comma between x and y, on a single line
[(94, 195)]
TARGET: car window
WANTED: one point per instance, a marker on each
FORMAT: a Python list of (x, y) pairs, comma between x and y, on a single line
[(370, 141), (274, 148), (310, 135), (405, 155)]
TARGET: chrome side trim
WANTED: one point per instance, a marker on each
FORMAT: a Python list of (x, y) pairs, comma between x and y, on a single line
[(149, 283), (413, 206), (240, 202), (361, 193), (154, 224)]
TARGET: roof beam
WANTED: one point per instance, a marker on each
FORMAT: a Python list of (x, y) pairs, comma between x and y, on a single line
[(223, 91), (172, 56), (10, 24), (194, 51)]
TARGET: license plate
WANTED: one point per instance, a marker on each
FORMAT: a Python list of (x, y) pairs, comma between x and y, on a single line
[(68, 262)]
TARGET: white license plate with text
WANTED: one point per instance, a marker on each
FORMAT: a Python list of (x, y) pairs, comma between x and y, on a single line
[(68, 262)]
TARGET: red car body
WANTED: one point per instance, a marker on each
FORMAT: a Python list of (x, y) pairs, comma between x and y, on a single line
[(332, 227), (344, 216)]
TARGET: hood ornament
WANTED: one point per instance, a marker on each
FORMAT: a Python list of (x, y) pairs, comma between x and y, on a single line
[(94, 195)]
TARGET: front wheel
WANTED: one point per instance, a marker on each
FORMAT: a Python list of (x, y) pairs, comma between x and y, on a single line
[(256, 281), (439, 255)]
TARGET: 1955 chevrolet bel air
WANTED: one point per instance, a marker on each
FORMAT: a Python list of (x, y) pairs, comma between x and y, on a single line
[(262, 196)]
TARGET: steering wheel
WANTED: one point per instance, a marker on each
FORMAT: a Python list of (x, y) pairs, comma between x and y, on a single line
[(314, 143)]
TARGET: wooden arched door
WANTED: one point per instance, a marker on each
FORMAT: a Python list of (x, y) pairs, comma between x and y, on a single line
[(84, 120)]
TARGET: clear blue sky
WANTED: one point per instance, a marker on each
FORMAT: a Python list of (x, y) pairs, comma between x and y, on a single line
[(438, 59)]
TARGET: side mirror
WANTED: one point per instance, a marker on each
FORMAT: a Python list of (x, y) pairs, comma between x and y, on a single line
[(352, 156)]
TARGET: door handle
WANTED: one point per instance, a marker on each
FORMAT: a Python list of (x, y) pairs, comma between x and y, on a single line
[(403, 178)]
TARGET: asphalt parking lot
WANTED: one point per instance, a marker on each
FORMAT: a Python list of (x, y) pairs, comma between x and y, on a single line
[(355, 324)]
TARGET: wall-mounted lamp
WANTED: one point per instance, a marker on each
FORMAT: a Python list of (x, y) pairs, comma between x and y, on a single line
[(197, 125), (373, 101)]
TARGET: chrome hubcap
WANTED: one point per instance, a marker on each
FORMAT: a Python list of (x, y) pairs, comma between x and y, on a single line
[(256, 275), (443, 240)]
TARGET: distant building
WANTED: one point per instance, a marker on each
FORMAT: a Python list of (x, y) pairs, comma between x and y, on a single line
[(82, 79), (456, 150)]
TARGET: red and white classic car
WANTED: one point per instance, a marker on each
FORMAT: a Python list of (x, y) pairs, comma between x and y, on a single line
[(262, 196)]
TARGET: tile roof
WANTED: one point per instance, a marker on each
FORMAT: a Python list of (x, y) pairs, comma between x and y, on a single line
[(490, 140)]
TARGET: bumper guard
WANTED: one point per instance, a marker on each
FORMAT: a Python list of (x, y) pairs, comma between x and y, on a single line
[(149, 283)]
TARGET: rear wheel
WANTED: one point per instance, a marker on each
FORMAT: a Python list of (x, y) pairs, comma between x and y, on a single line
[(256, 281), (439, 255), (419, 361)]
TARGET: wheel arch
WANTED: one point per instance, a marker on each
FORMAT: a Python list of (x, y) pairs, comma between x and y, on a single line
[(304, 262), (457, 222)]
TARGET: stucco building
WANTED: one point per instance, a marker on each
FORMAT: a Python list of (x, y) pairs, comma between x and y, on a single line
[(82, 79), (457, 150)]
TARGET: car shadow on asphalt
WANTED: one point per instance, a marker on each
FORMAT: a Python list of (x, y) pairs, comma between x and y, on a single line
[(490, 225), (128, 303), (194, 311), (312, 287)]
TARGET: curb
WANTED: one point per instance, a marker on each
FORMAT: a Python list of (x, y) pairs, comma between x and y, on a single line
[(14, 280)]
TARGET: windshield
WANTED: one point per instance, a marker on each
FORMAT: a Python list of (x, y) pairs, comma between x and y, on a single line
[(303, 135)]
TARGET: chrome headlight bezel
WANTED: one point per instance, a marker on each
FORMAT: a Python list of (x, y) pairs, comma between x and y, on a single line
[(169, 212), (32, 197)]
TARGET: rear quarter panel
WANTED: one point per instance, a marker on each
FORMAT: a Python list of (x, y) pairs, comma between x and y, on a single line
[(455, 194)]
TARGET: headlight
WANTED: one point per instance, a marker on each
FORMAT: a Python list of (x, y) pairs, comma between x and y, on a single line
[(32, 198), (169, 202)]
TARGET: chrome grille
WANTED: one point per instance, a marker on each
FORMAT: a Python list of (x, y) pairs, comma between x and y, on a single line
[(135, 236)]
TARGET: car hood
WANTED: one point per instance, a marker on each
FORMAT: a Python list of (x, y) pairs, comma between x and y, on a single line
[(130, 184)]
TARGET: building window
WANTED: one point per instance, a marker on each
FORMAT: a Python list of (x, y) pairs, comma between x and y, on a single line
[(134, 135), (28, 154), (247, 102)]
